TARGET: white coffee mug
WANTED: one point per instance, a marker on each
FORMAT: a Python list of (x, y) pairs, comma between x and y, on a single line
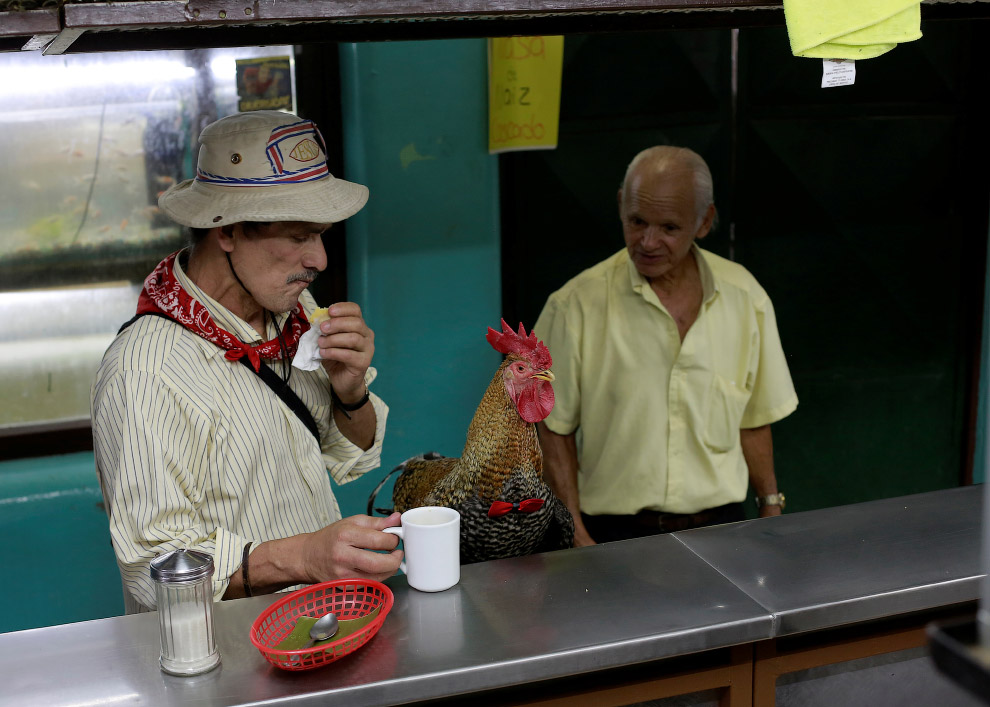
[(431, 538)]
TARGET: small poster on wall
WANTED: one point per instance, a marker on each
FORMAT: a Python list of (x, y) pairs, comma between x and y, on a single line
[(524, 75), (264, 83)]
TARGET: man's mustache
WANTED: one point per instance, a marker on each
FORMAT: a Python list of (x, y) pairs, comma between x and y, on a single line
[(307, 276)]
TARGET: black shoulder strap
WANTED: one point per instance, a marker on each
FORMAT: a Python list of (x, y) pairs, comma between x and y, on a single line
[(289, 397), (144, 314), (268, 376)]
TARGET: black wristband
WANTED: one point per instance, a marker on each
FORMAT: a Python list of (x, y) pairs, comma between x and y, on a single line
[(244, 571), (345, 407)]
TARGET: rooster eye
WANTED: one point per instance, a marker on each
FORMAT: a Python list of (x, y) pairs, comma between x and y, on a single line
[(520, 368)]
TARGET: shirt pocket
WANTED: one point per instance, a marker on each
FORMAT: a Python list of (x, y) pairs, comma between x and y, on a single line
[(726, 405)]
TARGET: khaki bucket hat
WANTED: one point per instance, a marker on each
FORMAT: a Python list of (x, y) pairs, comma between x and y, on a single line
[(262, 166)]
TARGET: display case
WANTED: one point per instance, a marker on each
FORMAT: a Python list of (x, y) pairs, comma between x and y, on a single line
[(92, 141)]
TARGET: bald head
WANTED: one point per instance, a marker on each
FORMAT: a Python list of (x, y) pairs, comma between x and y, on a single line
[(670, 159)]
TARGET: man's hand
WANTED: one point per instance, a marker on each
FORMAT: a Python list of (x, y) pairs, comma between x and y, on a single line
[(560, 467), (342, 550), (757, 448), (581, 536), (767, 511), (348, 548), (347, 346)]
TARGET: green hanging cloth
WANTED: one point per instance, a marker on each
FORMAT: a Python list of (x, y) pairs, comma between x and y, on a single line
[(850, 29)]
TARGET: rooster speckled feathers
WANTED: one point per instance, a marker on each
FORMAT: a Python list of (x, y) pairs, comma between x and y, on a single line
[(497, 485)]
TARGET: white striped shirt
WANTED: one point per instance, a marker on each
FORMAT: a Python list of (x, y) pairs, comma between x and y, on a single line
[(195, 451)]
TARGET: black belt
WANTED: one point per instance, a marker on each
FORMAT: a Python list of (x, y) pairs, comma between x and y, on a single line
[(673, 522), (660, 522)]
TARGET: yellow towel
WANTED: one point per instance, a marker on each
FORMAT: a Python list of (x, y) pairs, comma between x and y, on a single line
[(850, 29)]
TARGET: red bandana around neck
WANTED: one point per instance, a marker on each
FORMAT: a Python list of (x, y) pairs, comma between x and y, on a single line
[(164, 294)]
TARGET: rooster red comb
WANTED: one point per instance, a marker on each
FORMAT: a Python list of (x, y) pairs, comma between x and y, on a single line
[(508, 341)]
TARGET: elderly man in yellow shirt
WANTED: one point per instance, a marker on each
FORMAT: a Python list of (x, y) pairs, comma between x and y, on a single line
[(669, 370), (207, 436)]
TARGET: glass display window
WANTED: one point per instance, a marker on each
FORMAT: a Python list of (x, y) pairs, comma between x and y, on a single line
[(91, 140)]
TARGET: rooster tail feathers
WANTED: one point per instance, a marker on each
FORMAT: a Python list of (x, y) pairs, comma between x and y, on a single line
[(374, 494), (381, 484), (417, 477)]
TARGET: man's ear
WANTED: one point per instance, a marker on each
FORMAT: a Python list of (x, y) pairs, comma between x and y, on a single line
[(706, 223), (225, 237)]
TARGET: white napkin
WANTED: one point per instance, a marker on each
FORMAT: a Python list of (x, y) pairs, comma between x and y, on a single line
[(307, 356)]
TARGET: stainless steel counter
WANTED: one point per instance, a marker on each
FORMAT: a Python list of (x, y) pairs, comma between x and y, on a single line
[(853, 563), (551, 615)]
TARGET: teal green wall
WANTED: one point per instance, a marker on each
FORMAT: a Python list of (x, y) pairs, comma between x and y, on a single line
[(58, 566), (423, 255)]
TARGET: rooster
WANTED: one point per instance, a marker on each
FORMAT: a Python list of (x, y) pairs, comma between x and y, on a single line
[(507, 509)]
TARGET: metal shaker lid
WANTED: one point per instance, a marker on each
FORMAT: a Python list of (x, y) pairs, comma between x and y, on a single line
[(181, 566)]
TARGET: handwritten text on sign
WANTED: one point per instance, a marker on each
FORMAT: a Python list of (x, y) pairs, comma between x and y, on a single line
[(524, 92)]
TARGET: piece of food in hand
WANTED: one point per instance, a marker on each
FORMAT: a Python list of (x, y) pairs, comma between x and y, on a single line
[(319, 316)]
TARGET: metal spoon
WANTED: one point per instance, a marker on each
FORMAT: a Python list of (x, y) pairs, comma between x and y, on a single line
[(325, 627)]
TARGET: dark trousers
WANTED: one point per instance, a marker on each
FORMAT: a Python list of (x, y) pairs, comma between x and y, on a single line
[(606, 528)]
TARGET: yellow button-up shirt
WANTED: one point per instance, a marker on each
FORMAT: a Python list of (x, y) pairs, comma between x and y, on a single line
[(658, 419), (195, 451)]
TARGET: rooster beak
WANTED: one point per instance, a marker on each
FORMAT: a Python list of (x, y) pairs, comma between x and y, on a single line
[(546, 375)]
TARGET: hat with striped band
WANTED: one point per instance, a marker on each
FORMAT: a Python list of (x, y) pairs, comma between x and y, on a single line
[(262, 166)]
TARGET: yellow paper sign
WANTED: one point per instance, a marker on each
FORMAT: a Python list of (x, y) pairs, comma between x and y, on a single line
[(524, 92)]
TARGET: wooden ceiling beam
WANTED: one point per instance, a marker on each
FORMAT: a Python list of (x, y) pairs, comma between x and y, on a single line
[(185, 24), (26, 30)]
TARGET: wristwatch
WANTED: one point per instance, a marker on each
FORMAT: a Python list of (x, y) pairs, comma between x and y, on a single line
[(774, 499)]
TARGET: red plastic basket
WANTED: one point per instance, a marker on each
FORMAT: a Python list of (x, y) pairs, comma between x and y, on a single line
[(347, 598)]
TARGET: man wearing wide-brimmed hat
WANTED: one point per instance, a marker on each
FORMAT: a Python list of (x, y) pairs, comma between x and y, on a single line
[(206, 436)]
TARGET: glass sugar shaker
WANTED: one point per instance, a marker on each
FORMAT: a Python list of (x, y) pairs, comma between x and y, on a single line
[(184, 592)]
